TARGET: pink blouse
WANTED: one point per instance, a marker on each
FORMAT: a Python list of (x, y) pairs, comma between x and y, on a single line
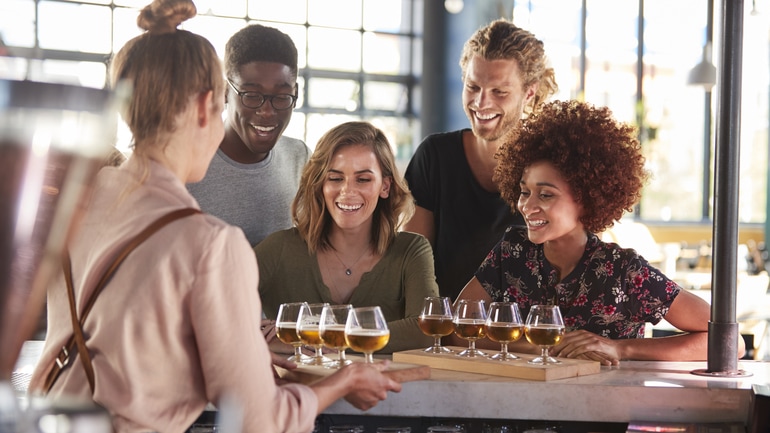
[(179, 324)]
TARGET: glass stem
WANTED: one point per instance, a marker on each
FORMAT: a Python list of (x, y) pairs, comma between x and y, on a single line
[(342, 357), (544, 353), (472, 345), (503, 348), (368, 358), (437, 342), (298, 352)]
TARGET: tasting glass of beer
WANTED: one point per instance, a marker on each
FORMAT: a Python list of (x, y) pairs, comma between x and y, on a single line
[(504, 326), (436, 321), (332, 328), (286, 330), (544, 328), (366, 331), (308, 329), (470, 318)]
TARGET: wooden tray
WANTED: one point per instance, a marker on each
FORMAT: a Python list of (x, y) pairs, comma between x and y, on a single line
[(518, 369), (398, 371)]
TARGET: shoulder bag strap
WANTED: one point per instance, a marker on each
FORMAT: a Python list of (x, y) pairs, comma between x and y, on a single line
[(77, 340)]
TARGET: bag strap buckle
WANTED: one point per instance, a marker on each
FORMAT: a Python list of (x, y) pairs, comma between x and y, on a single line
[(63, 359)]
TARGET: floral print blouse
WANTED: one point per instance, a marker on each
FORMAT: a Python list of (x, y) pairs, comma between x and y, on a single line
[(611, 292)]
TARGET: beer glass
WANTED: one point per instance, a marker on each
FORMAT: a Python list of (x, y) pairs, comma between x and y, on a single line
[(544, 328), (308, 329), (332, 329), (469, 319), (286, 330), (366, 331), (436, 320), (504, 326)]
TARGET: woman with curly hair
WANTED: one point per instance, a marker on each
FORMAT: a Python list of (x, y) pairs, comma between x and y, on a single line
[(572, 171), (346, 247)]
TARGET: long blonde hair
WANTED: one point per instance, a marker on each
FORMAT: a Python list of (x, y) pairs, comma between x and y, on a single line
[(309, 207)]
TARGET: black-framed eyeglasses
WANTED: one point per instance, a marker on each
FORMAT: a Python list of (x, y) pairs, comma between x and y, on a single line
[(281, 101)]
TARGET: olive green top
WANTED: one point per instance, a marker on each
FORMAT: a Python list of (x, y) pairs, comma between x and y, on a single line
[(398, 283)]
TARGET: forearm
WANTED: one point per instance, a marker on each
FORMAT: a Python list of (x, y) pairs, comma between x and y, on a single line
[(692, 346), (332, 388)]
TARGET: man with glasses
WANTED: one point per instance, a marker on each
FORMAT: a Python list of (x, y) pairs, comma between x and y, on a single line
[(255, 173)]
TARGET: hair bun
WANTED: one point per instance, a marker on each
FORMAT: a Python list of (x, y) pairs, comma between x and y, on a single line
[(164, 16)]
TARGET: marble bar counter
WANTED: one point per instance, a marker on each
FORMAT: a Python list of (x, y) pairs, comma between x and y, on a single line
[(635, 391)]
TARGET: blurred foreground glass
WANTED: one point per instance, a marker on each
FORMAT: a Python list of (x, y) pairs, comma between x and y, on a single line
[(436, 320), (367, 331), (286, 330), (53, 139)]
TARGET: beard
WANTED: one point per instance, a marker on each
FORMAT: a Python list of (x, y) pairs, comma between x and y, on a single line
[(508, 121)]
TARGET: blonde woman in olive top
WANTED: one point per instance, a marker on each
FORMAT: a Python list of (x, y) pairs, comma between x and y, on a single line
[(346, 247)]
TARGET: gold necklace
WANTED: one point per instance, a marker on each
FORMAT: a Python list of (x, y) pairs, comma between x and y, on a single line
[(349, 269)]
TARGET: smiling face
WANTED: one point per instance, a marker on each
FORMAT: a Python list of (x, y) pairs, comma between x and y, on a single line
[(493, 96), (353, 186), (252, 133), (548, 206)]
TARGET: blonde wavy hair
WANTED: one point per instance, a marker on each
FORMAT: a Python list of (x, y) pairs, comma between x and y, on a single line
[(502, 40), (309, 211)]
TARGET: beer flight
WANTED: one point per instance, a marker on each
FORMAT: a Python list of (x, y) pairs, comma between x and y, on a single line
[(501, 323), (335, 327)]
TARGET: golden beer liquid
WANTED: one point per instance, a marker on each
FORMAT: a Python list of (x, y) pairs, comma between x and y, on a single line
[(436, 325), (504, 332), (367, 342), (544, 335), (334, 337), (310, 335), (287, 332), (470, 329)]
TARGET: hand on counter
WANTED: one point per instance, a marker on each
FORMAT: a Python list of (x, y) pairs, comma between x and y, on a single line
[(582, 344)]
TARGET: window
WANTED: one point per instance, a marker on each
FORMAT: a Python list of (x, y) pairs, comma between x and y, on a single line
[(359, 59), (670, 114)]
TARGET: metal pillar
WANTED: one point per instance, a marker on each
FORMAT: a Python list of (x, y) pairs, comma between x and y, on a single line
[(723, 327)]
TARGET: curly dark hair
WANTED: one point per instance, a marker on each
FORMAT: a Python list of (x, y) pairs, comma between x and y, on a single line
[(599, 157), (258, 43)]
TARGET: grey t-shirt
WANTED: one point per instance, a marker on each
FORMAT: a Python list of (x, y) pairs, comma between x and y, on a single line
[(255, 197)]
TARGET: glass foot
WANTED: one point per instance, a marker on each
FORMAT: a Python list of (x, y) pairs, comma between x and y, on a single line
[(336, 363), (301, 359), (504, 356), (438, 349), (540, 360), (472, 353)]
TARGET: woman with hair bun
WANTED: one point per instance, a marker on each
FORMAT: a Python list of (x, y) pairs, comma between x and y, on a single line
[(572, 171), (178, 324)]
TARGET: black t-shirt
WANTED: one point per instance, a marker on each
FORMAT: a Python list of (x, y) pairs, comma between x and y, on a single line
[(468, 219)]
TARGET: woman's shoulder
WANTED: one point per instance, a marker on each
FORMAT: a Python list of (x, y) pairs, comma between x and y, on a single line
[(277, 240), (611, 251), (404, 239)]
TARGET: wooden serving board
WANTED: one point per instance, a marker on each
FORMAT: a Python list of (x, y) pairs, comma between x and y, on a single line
[(518, 368), (398, 371)]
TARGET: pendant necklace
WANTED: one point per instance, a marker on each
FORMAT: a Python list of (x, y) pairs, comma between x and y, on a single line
[(349, 269)]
